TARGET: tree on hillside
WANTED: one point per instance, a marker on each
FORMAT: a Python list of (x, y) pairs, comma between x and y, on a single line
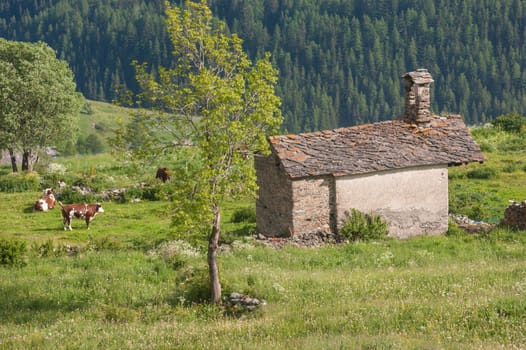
[(216, 101), (39, 103)]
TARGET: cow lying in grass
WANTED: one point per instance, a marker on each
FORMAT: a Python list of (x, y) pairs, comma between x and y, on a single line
[(79, 211), (46, 202)]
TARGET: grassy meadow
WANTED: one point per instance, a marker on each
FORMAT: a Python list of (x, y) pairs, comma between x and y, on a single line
[(133, 282)]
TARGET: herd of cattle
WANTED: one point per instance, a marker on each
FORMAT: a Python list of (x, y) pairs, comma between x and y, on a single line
[(69, 211), (81, 211)]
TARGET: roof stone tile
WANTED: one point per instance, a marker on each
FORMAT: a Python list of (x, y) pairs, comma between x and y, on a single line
[(374, 147)]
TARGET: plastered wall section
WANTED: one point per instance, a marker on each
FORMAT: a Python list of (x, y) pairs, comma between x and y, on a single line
[(274, 201), (414, 201)]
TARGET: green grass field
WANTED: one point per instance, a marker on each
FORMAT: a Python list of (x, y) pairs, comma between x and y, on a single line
[(134, 282), (465, 292)]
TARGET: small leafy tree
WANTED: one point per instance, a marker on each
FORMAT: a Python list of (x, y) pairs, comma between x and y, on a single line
[(216, 101), (39, 103)]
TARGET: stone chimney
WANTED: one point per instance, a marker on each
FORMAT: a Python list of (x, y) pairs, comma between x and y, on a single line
[(417, 96)]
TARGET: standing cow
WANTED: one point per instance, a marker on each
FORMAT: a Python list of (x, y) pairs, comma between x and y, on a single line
[(79, 211), (163, 174)]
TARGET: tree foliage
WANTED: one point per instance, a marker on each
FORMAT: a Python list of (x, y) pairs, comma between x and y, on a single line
[(39, 101), (215, 101)]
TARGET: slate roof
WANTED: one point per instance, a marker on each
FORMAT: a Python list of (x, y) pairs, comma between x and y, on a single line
[(393, 144)]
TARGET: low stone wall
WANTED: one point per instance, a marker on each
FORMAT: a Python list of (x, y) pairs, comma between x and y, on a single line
[(515, 215)]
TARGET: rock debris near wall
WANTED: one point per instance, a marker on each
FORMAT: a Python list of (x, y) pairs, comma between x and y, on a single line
[(469, 225), (311, 240), (515, 215)]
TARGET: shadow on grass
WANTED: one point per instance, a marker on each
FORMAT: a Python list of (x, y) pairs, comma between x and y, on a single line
[(248, 229), (21, 306), (29, 209)]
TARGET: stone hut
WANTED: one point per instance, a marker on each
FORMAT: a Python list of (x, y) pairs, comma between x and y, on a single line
[(397, 169)]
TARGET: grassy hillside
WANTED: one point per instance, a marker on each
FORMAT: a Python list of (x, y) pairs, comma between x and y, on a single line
[(483, 191), (134, 281), (97, 122), (101, 116)]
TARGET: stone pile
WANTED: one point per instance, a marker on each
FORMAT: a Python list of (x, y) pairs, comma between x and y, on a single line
[(470, 225), (515, 215), (107, 195), (239, 303)]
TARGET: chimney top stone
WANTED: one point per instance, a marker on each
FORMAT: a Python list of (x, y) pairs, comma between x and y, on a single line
[(417, 96)]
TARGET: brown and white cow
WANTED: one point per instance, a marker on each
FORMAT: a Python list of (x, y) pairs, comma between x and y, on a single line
[(79, 211), (47, 201)]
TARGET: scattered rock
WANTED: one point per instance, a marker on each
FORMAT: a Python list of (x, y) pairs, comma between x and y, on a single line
[(469, 225), (112, 194), (312, 240), (239, 304)]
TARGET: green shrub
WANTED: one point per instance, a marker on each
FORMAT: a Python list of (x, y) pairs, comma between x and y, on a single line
[(20, 182), (483, 173), (153, 193), (92, 144), (360, 226), (67, 195), (87, 108), (477, 212), (45, 249), (247, 214), (455, 174), (130, 194), (12, 252), (98, 244), (511, 122), (96, 182), (48, 249)]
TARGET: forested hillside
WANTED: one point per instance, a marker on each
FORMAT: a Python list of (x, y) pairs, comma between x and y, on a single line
[(340, 61), (98, 38)]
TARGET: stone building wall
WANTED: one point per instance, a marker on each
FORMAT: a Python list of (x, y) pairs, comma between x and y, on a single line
[(413, 201), (313, 207), (274, 202)]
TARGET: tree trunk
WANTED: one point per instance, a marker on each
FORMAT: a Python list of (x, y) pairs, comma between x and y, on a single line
[(12, 155), (213, 268), (27, 164)]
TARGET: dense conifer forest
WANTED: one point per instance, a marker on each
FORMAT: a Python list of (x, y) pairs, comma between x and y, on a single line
[(340, 61)]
